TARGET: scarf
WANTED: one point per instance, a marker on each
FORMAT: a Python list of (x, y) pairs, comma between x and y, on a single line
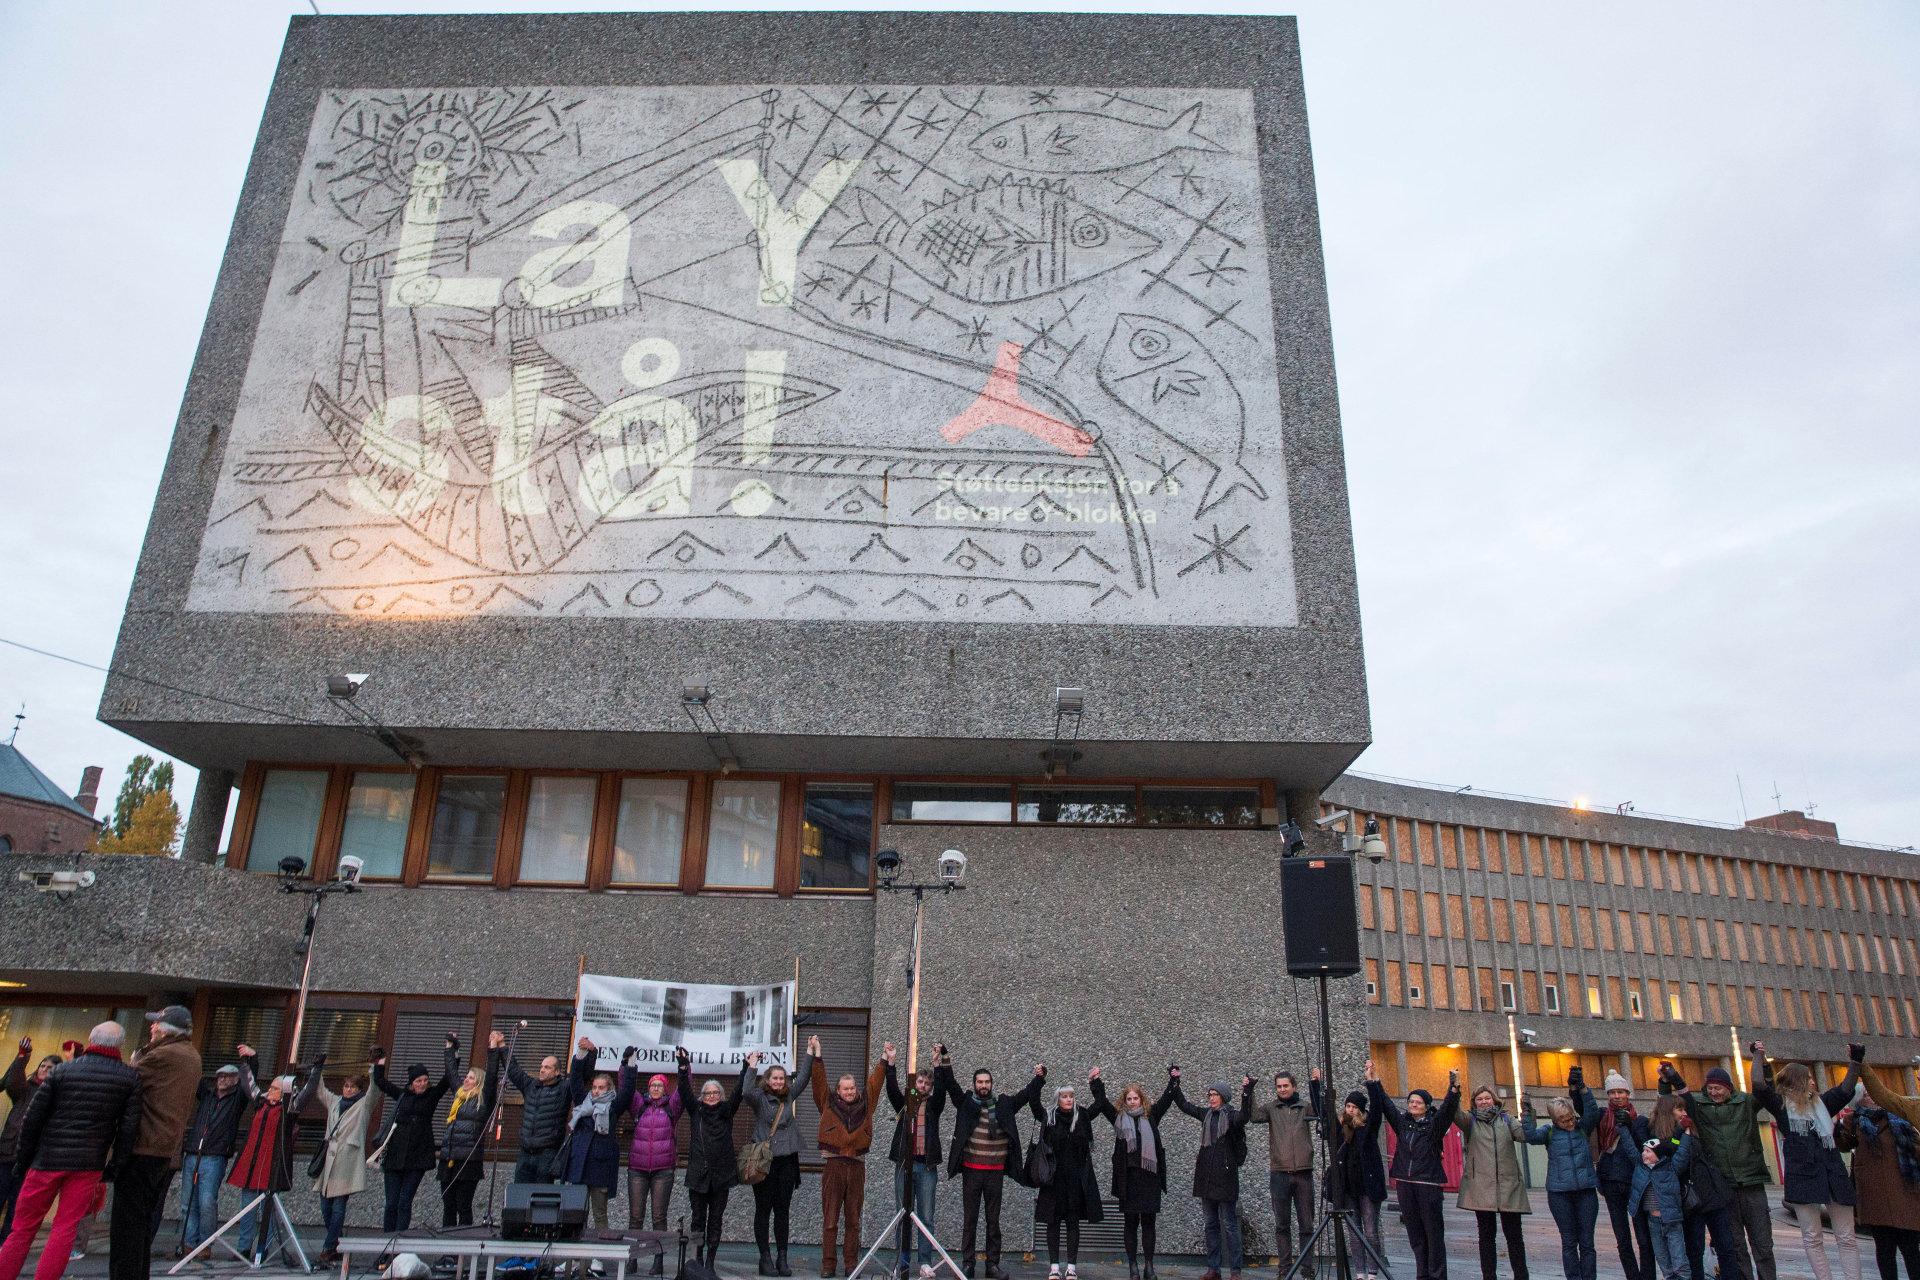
[(852, 1114), (104, 1050), (460, 1097), (1138, 1135), (1810, 1122), (1607, 1132), (1487, 1115), (600, 1107), (1906, 1143), (1216, 1124)]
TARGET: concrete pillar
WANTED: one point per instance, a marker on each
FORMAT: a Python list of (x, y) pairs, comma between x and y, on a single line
[(201, 840), (1400, 1065)]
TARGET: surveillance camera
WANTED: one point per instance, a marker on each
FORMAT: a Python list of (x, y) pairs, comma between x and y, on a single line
[(1293, 838), (1328, 820), (349, 871), (345, 686), (1069, 701), (291, 866), (58, 882), (1373, 846), (953, 865), (1528, 1035), (888, 861)]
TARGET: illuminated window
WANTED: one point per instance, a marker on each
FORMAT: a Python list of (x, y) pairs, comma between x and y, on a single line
[(1673, 1007), (650, 830), (1593, 1001), (559, 830)]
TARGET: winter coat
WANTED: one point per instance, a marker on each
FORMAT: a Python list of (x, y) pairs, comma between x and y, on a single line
[(1569, 1154), (1885, 1198), (169, 1087), (19, 1086), (1137, 1190), (1074, 1192), (544, 1107), (344, 1171), (835, 1138), (1662, 1186), (1416, 1158), (84, 1118), (712, 1162), (769, 1107), (590, 1158), (215, 1128), (409, 1142), (1811, 1171), (1728, 1133), (1291, 1140), (1216, 1169), (969, 1109), (265, 1162), (463, 1147), (1356, 1170), (1620, 1166), (901, 1149), (1492, 1178), (654, 1145)]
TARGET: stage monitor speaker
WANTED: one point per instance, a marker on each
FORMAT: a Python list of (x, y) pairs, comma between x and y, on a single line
[(543, 1211), (1317, 912)]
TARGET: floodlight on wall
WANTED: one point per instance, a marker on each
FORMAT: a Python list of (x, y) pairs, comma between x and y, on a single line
[(697, 701), (343, 690), (346, 686), (1069, 701), (1069, 705), (695, 695)]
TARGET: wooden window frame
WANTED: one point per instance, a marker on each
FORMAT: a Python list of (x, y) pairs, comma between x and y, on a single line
[(606, 831), (515, 848), (881, 793)]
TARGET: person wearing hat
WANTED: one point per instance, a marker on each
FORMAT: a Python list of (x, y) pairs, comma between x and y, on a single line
[(654, 1153), (409, 1147), (169, 1068), (208, 1146), (1727, 1123), (1216, 1169), (1356, 1176), (1420, 1132), (1617, 1145)]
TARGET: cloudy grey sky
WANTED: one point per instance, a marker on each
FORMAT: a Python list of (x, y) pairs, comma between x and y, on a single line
[(1626, 306)]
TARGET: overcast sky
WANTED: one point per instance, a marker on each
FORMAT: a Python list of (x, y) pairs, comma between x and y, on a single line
[(1626, 306)]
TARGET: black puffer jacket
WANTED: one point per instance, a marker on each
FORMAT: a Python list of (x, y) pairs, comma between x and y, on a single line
[(83, 1118), (544, 1109), (463, 1149), (1416, 1156)]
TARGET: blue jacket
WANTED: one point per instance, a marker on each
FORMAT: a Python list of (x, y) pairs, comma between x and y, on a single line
[(588, 1158), (1569, 1155), (1663, 1181)]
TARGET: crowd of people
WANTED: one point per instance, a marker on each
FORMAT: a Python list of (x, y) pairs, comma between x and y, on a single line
[(1691, 1174)]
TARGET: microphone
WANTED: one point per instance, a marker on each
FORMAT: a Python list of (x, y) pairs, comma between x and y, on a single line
[(523, 1024)]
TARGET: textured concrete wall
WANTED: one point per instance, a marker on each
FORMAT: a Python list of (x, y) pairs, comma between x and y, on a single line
[(1281, 671)]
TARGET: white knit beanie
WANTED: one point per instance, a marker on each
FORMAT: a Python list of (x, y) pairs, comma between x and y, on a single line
[(1617, 1081)]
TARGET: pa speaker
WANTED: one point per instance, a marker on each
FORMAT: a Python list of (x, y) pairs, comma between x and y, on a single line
[(543, 1211), (1316, 909)]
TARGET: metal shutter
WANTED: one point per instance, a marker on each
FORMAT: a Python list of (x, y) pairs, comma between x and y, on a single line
[(237, 1024), (419, 1036), (548, 1027)]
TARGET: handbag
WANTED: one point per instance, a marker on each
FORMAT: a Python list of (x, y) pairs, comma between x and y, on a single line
[(756, 1158), (1039, 1163), (378, 1160)]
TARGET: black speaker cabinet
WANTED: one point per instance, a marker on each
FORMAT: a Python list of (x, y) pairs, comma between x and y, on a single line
[(1317, 911), (543, 1211)]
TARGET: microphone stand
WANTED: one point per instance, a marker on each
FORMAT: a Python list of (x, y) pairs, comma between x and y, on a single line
[(499, 1101)]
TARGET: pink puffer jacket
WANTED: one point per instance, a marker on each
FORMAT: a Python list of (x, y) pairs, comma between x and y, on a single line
[(653, 1145)]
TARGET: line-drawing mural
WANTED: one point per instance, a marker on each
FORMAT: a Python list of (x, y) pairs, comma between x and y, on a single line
[(875, 352)]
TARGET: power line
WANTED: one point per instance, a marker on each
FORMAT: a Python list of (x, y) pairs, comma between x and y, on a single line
[(124, 674)]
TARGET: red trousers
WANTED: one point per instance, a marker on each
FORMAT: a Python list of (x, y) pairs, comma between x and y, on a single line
[(38, 1190)]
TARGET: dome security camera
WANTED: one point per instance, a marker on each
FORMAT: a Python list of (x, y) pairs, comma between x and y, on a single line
[(953, 865)]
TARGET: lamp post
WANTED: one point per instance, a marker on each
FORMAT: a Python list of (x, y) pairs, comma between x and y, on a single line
[(952, 867)]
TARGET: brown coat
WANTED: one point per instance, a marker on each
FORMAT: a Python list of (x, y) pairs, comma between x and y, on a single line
[(169, 1083), (1885, 1198), (835, 1138)]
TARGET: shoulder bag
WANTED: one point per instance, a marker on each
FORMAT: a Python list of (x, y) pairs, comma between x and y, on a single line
[(756, 1158)]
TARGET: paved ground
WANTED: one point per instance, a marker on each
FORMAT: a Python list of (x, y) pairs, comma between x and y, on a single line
[(737, 1262)]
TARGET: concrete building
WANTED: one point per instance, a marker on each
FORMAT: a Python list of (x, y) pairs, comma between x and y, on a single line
[(36, 816), (722, 440)]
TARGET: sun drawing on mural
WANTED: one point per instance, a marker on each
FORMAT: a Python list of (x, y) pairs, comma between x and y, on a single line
[(994, 355)]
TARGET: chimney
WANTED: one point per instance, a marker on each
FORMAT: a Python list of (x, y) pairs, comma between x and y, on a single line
[(1793, 822), (89, 794)]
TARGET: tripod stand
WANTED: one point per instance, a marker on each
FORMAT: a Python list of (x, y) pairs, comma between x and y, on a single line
[(1340, 1220)]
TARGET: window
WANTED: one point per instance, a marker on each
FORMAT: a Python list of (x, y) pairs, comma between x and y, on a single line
[(952, 802), (1553, 998), (1084, 806), (466, 826), (379, 808), (1633, 1004), (1373, 993), (836, 838), (287, 819), (1413, 993), (559, 830), (743, 827), (1507, 1001), (1593, 1001), (1197, 806), (650, 832)]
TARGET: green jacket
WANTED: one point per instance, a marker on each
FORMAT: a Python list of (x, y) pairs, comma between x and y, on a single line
[(1729, 1134)]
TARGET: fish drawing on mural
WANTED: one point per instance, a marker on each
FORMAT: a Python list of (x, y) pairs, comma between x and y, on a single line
[(1062, 141), (1164, 376), (1006, 241)]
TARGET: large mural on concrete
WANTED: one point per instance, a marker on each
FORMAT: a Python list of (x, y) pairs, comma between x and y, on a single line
[(978, 354)]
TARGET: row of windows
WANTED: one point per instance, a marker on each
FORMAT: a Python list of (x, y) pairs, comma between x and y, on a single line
[(689, 831), (1554, 857), (1546, 1070), (1487, 990), (1436, 915)]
